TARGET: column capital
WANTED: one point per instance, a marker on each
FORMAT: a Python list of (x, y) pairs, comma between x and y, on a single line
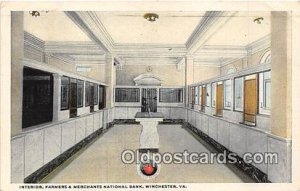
[(189, 56), (57, 75), (109, 56)]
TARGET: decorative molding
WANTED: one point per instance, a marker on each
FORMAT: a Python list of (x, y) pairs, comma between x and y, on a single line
[(64, 58), (221, 51), (33, 42), (76, 52), (76, 47), (266, 57)]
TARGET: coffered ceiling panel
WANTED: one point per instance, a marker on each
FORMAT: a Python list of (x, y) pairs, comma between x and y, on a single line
[(53, 26), (132, 27), (241, 29)]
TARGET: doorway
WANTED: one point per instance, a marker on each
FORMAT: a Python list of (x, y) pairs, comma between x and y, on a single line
[(149, 100), (250, 104), (73, 98), (203, 98), (92, 92), (219, 105)]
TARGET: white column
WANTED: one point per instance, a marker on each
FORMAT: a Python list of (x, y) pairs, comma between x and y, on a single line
[(56, 96), (110, 79), (189, 75), (17, 54), (281, 34)]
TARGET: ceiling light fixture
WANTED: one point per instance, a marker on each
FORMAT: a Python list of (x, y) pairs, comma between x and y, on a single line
[(36, 13), (258, 20), (151, 17)]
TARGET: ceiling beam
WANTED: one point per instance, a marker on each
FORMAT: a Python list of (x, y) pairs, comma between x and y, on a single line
[(92, 26), (208, 25)]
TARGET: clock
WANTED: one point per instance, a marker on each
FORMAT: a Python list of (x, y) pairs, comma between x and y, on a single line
[(149, 69)]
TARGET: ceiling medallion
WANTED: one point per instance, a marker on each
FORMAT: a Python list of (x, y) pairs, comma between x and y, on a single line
[(258, 20), (151, 17)]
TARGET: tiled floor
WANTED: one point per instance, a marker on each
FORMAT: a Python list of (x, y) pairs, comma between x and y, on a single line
[(101, 160)]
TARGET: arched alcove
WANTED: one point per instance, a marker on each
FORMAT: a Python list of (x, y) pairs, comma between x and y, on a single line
[(266, 57), (231, 70), (147, 79)]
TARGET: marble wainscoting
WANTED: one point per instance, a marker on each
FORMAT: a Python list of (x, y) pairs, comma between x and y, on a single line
[(126, 112), (282, 171), (38, 146), (241, 139), (169, 112), (172, 112)]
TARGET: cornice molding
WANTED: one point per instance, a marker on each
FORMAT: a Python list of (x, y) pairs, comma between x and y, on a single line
[(224, 51), (33, 41), (65, 58), (66, 51), (76, 47)]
